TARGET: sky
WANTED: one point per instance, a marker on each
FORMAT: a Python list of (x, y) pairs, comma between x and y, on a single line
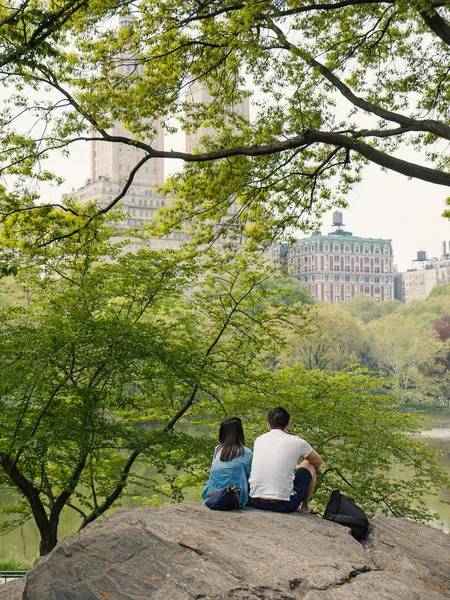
[(384, 205)]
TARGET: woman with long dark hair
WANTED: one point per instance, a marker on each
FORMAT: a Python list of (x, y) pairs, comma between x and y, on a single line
[(231, 462)]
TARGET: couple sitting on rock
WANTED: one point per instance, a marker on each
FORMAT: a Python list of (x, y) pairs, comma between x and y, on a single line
[(270, 478)]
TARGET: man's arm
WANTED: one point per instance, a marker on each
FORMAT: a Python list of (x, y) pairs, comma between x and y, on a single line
[(315, 459)]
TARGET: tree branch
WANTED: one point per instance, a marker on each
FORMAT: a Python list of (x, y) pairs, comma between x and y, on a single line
[(108, 502)]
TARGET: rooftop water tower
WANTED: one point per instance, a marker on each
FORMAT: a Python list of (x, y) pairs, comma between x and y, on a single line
[(421, 261), (338, 222)]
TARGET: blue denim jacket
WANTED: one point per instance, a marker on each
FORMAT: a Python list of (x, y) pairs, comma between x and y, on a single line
[(232, 472)]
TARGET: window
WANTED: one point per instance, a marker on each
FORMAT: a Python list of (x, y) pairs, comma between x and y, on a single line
[(377, 269), (366, 279), (366, 259), (336, 277), (347, 268), (336, 248), (366, 249), (366, 270), (367, 290), (346, 248), (326, 297), (347, 259), (347, 288), (337, 298), (336, 267), (347, 278), (376, 250), (377, 280), (337, 258), (327, 277), (356, 269), (386, 249), (356, 248), (377, 260), (347, 297), (377, 290), (326, 247)]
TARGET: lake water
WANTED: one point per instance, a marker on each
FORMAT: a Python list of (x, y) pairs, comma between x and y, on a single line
[(23, 542)]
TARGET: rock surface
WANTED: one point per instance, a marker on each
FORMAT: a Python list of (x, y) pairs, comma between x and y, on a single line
[(186, 552)]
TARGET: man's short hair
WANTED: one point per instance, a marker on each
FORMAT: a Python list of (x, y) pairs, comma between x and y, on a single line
[(278, 418)]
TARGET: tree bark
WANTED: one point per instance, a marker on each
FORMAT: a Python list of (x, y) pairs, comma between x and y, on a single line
[(47, 527)]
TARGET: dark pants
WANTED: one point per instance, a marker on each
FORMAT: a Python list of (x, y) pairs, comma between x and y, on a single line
[(302, 480)]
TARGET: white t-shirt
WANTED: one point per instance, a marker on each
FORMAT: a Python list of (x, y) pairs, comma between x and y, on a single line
[(275, 455)]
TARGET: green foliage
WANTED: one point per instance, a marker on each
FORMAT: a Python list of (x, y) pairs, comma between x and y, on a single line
[(440, 290), (14, 563), (334, 341), (367, 309), (355, 425), (109, 353)]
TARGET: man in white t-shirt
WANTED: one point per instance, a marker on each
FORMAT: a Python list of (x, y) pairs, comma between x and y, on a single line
[(277, 481)]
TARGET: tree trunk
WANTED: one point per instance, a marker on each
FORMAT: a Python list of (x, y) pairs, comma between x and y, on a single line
[(49, 539), (48, 527)]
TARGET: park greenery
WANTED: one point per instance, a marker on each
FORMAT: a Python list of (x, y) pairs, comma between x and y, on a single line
[(113, 362), (96, 342), (110, 361), (408, 343)]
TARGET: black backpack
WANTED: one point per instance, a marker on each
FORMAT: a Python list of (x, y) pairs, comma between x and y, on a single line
[(343, 510)]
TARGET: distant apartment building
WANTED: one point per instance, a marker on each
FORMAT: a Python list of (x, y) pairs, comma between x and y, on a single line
[(111, 165), (425, 274), (198, 93), (338, 266)]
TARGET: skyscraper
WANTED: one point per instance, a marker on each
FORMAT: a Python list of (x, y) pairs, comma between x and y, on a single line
[(111, 165), (198, 93)]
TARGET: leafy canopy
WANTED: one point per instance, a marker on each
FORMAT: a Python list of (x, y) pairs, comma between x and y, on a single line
[(334, 86), (103, 354)]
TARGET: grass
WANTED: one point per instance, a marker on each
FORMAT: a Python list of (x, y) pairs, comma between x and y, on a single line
[(14, 563)]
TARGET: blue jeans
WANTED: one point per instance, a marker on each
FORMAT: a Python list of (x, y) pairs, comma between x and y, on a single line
[(302, 480)]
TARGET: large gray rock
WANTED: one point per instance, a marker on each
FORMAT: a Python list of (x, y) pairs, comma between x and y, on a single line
[(186, 552)]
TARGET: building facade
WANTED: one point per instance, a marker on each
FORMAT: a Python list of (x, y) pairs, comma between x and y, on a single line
[(198, 93), (338, 266), (111, 165), (425, 275)]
